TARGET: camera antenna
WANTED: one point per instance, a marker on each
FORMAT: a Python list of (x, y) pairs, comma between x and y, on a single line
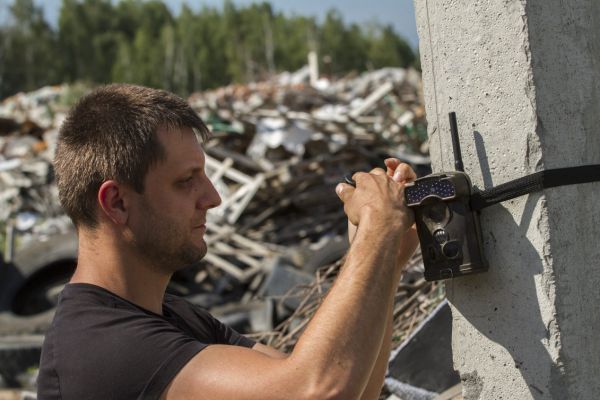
[(458, 164)]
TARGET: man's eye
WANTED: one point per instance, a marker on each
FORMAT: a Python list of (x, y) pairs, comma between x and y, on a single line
[(186, 181)]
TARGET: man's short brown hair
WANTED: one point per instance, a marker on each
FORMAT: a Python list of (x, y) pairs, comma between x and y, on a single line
[(111, 133)]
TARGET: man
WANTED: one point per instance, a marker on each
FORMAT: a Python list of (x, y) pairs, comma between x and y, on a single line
[(130, 173)]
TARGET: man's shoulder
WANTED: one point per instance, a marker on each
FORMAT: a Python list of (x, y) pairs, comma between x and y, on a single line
[(88, 313), (74, 294), (102, 340), (84, 307), (184, 307)]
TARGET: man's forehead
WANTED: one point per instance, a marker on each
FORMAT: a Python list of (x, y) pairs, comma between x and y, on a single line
[(181, 145), (164, 132)]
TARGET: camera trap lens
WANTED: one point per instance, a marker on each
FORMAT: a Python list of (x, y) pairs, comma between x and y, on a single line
[(451, 249)]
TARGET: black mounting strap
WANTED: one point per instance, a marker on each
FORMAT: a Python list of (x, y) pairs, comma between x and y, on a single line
[(534, 183)]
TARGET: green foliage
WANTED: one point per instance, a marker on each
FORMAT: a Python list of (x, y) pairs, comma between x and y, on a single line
[(142, 42), (386, 48), (27, 50), (345, 47), (87, 39)]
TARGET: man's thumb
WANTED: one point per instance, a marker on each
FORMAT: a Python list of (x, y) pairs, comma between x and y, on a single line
[(343, 190)]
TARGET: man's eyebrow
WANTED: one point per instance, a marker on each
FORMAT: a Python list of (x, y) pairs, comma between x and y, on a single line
[(193, 170)]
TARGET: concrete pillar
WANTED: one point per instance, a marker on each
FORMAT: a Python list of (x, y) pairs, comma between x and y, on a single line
[(524, 79)]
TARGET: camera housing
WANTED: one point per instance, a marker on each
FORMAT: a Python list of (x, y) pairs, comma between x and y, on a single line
[(449, 231)]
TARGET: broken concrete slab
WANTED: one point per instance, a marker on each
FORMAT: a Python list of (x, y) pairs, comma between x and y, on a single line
[(424, 359)]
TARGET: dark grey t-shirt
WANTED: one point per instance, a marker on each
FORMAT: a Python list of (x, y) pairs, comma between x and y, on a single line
[(101, 346)]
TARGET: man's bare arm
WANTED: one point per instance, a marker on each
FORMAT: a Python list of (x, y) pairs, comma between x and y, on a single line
[(269, 351), (337, 352), (373, 389), (402, 174), (408, 246)]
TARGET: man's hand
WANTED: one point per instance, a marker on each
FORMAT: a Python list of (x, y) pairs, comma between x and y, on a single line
[(400, 173), (378, 200)]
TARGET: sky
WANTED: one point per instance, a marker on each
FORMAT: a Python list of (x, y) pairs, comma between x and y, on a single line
[(399, 13)]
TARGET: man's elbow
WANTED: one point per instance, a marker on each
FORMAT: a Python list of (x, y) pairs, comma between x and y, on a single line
[(320, 378), (333, 389)]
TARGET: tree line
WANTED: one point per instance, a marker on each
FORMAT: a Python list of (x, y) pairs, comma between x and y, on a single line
[(100, 41)]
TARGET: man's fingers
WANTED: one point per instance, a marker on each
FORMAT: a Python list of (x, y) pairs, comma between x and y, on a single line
[(377, 171), (391, 164), (357, 177), (343, 191), (404, 173), (399, 171)]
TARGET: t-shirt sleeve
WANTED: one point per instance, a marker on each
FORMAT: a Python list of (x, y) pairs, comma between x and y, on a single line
[(170, 367), (219, 332), (200, 319), (227, 335)]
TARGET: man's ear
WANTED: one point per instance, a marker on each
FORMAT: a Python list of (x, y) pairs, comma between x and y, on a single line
[(112, 202)]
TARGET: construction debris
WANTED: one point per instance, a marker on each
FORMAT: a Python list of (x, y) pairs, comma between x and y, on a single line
[(415, 300), (277, 152)]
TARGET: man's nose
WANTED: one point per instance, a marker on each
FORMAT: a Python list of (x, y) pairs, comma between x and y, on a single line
[(210, 197)]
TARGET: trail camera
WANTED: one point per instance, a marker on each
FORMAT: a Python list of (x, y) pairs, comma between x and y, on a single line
[(449, 230), (447, 211)]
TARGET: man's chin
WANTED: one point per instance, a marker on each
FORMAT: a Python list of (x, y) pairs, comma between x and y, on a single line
[(192, 258)]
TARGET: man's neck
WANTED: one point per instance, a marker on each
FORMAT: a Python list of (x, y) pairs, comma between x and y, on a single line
[(102, 262)]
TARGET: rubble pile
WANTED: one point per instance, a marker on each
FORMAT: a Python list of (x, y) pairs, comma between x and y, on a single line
[(415, 299), (303, 141), (28, 130), (277, 152)]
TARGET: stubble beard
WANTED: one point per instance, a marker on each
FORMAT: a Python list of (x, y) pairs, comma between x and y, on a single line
[(166, 244)]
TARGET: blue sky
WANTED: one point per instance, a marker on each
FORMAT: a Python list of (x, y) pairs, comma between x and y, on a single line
[(398, 13)]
